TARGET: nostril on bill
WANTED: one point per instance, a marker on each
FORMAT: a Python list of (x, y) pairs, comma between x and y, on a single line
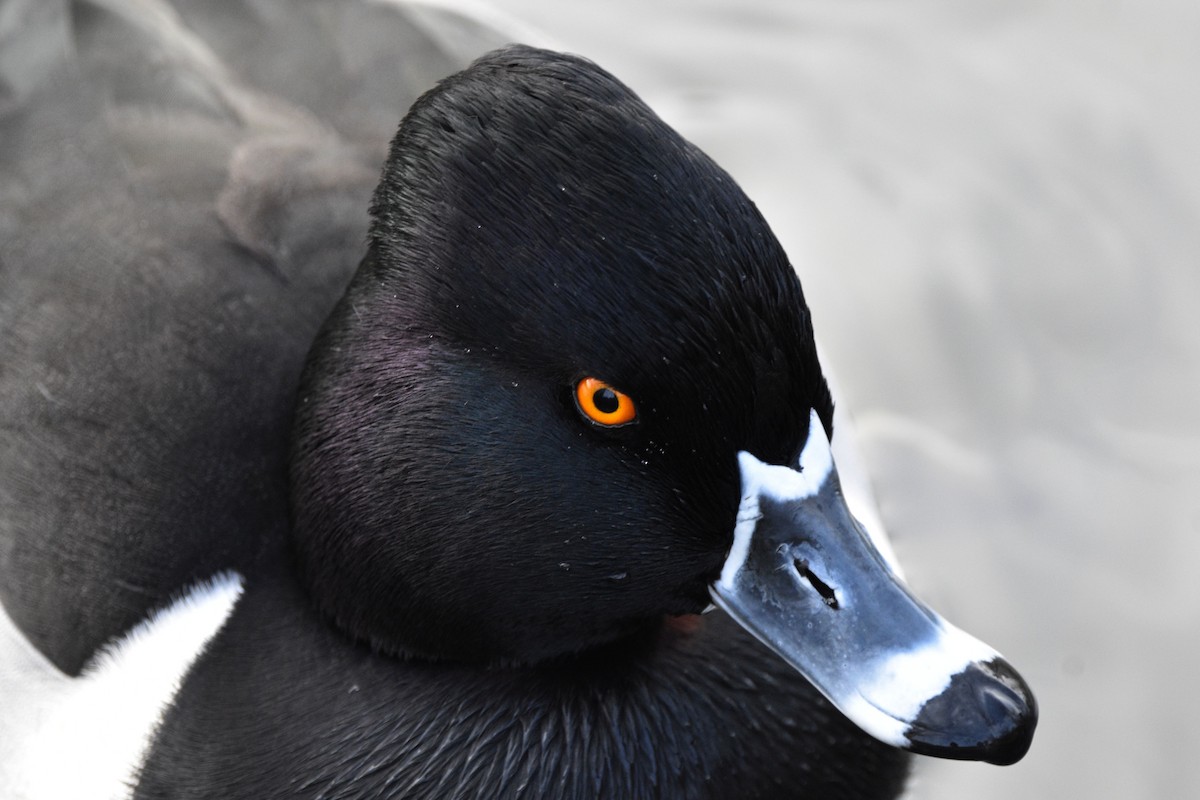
[(828, 595)]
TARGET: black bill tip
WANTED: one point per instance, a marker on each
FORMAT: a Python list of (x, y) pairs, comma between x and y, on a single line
[(987, 713)]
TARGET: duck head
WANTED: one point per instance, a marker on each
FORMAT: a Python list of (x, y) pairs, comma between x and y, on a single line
[(573, 390)]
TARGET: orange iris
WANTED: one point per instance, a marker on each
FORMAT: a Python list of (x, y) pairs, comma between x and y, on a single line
[(603, 404)]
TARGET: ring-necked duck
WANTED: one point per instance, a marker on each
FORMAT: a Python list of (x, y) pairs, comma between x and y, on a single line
[(569, 398)]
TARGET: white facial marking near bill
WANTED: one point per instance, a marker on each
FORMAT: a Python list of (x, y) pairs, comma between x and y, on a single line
[(778, 483)]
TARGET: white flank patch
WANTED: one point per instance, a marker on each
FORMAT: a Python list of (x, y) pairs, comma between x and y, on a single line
[(894, 690), (84, 738)]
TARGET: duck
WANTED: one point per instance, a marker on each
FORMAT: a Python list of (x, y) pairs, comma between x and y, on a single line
[(489, 457)]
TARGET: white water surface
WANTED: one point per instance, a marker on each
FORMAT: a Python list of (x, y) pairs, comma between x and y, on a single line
[(995, 211)]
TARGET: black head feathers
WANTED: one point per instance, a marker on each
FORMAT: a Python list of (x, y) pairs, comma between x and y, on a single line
[(536, 223)]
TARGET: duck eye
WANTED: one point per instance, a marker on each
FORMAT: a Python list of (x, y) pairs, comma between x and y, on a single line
[(603, 404)]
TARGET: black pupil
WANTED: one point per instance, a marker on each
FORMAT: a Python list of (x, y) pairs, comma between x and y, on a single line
[(606, 401)]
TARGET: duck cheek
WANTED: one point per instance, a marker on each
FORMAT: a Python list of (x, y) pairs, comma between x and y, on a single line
[(564, 556)]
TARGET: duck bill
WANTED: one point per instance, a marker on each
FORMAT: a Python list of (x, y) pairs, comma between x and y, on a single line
[(804, 577)]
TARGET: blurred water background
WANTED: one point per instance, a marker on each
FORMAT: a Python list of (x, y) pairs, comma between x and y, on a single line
[(995, 211)]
